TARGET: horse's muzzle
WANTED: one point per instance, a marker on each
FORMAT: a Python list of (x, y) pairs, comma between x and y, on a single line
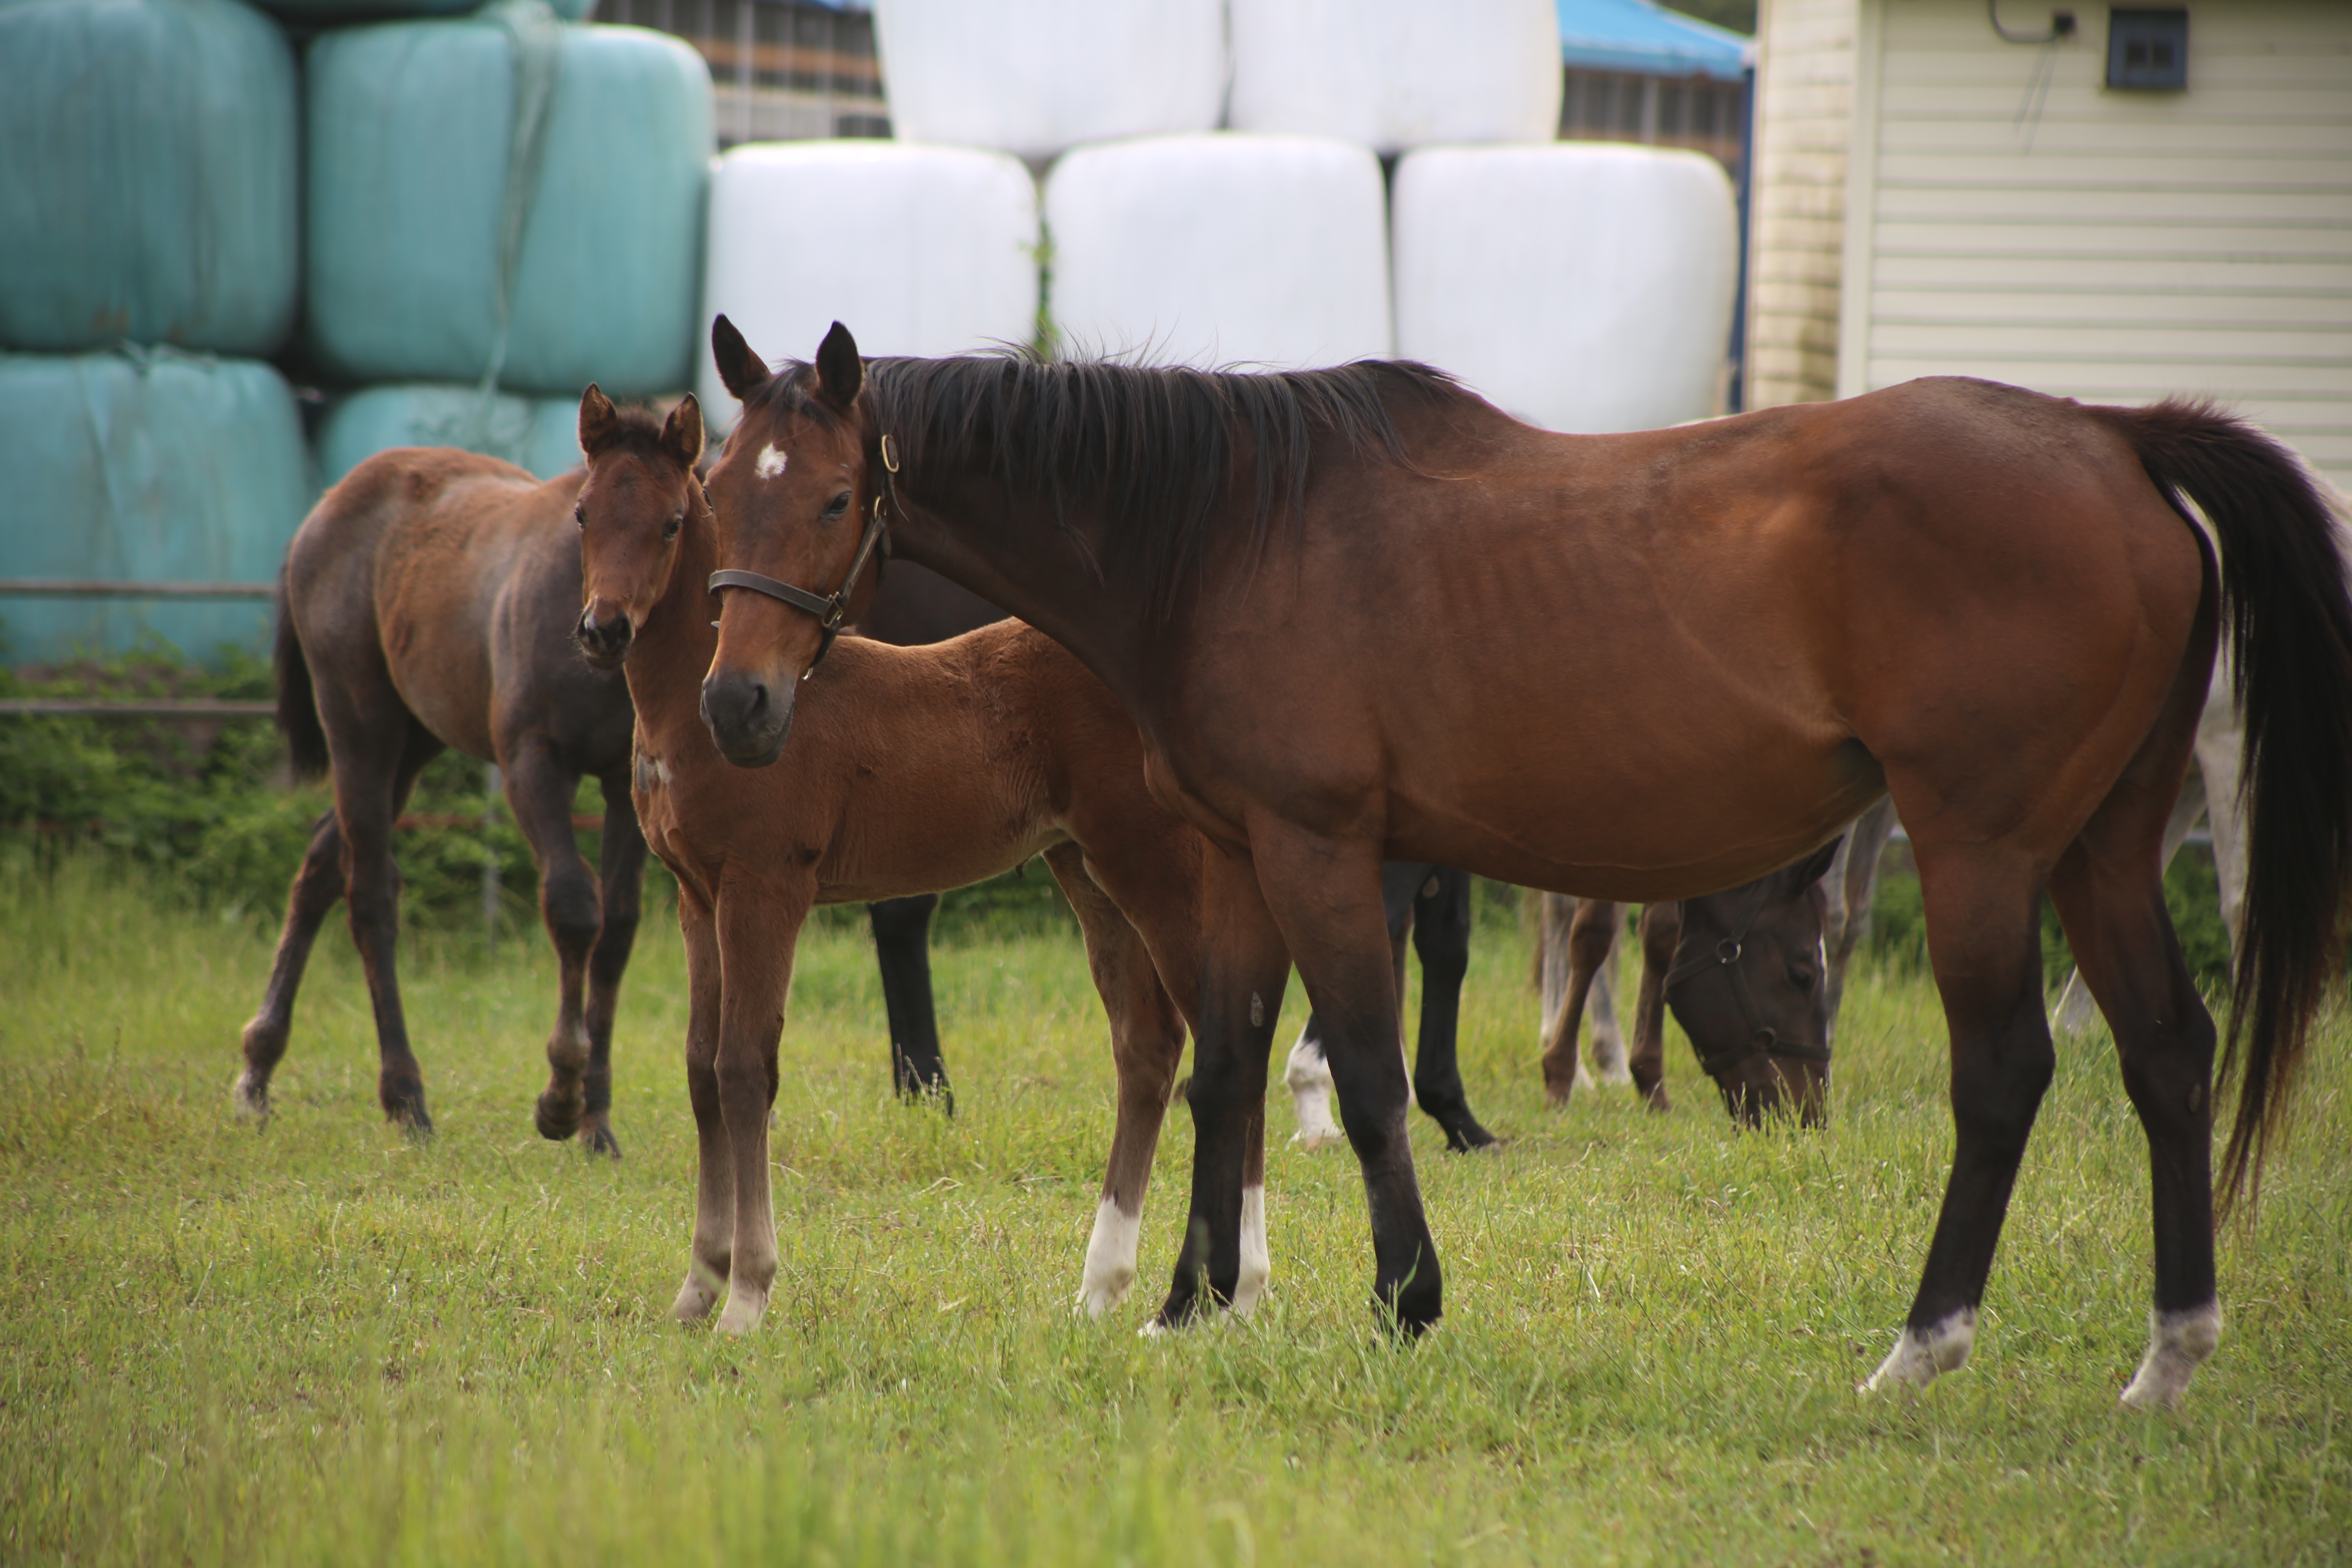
[(748, 719), (604, 642)]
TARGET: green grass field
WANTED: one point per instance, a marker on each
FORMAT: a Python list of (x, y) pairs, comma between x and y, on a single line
[(324, 1344)]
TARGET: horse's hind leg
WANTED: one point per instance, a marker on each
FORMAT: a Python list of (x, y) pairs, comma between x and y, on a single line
[(1591, 934), (539, 791), (317, 886), (2109, 892), (902, 948), (1147, 1041), (1441, 935), (621, 866), (1984, 939)]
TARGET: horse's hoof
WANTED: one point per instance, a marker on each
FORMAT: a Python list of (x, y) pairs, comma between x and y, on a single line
[(1485, 1143), (743, 1312), (596, 1138), (558, 1116), (694, 1301), (251, 1098), (1320, 1138)]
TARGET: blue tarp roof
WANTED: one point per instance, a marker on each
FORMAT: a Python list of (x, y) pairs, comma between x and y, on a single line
[(1637, 35)]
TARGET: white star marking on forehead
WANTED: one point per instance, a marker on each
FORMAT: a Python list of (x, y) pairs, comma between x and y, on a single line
[(770, 462)]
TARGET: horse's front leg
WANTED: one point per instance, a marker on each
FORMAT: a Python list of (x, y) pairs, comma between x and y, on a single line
[(759, 928), (1441, 935), (1324, 894), (621, 866), (1591, 934), (710, 1262), (538, 792), (902, 948), (1244, 967), (1661, 930)]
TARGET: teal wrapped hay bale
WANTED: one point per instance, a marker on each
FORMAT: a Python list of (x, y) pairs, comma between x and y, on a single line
[(147, 466), (580, 150), (318, 12), (147, 192), (541, 434)]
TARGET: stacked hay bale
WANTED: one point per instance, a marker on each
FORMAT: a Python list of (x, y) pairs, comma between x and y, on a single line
[(1386, 182), (451, 223), (500, 209), (148, 261)]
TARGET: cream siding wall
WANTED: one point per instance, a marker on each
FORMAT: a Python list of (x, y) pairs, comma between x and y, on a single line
[(2108, 245), (1805, 90)]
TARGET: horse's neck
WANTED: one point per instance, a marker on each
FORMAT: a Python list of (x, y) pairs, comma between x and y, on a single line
[(673, 648), (1008, 549)]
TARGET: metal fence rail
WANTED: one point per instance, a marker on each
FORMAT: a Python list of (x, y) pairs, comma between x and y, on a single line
[(133, 707)]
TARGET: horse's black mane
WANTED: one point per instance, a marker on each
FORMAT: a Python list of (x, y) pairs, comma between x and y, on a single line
[(1163, 450)]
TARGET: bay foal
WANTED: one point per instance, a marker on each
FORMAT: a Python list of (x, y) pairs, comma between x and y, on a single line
[(1360, 615), (425, 604), (913, 770)]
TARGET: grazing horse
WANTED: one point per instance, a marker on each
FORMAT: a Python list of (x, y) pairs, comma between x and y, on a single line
[(427, 604), (1770, 973), (1361, 614), (1746, 973), (915, 769)]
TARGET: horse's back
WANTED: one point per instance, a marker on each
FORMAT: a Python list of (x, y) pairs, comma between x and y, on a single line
[(419, 563)]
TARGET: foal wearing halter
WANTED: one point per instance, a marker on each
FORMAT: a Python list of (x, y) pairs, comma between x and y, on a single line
[(913, 770), (425, 604), (1360, 615)]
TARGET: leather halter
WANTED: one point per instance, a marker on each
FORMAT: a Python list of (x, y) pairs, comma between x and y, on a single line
[(829, 610), (1762, 1038)]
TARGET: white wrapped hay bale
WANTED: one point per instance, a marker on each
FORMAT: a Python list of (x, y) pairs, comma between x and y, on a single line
[(541, 434), (570, 160), (1394, 74), (1222, 249), (1579, 286), (918, 250), (1034, 77)]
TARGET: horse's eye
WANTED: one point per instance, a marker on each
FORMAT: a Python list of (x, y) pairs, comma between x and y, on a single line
[(676, 522), (580, 517), (1802, 976), (838, 505)]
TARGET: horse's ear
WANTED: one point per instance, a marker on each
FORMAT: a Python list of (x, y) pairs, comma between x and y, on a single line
[(839, 372), (681, 435), (1816, 865), (742, 371), (598, 419)]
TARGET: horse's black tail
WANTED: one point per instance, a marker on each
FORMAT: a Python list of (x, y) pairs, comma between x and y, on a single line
[(2289, 630), (298, 705)]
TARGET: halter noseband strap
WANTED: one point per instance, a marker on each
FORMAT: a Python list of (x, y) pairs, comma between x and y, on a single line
[(829, 610), (1762, 1038)]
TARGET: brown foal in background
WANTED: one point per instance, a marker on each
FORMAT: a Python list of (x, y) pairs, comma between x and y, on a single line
[(914, 769), (427, 603)]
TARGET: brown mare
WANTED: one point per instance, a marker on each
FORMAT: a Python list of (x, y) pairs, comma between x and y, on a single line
[(916, 769), (1360, 614), (426, 602)]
